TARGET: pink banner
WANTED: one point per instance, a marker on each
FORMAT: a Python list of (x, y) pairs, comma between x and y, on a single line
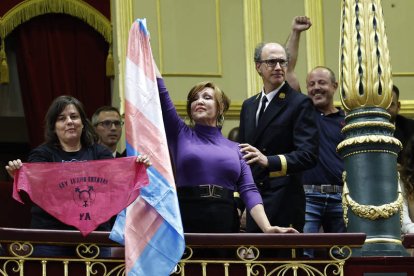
[(82, 194)]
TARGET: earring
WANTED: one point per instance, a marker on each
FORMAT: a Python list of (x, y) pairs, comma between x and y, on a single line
[(220, 120), (190, 121)]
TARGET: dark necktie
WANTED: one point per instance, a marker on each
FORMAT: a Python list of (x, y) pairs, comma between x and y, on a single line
[(262, 108)]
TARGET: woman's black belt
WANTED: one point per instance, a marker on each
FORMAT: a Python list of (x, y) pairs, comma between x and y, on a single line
[(206, 190)]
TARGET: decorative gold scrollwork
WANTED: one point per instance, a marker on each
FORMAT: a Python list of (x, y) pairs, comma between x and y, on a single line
[(369, 139), (367, 124), (369, 151), (340, 253), (248, 254), (371, 212), (331, 268), (97, 268), (179, 268), (254, 266), (368, 113), (18, 249), (87, 251), (188, 253), (118, 270), (15, 266)]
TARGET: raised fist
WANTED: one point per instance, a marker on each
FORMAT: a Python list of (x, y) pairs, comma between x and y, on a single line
[(301, 23)]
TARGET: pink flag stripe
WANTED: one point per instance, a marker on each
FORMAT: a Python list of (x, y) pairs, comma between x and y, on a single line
[(151, 141), (141, 57), (137, 235), (147, 99), (151, 227)]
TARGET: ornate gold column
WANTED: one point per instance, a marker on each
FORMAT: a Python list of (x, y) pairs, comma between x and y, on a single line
[(253, 35), (372, 199), (123, 21), (315, 39)]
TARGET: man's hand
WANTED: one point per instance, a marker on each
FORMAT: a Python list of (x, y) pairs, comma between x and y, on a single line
[(301, 23), (253, 155)]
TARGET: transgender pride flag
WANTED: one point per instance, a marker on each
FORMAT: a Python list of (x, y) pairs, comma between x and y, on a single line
[(151, 226)]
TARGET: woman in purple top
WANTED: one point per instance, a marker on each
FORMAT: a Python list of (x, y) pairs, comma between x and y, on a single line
[(209, 167)]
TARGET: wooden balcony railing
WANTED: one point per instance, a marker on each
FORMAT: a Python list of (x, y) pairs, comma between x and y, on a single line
[(408, 241), (206, 254)]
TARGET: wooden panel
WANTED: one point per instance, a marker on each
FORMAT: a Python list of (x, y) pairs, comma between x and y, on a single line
[(397, 16), (185, 40), (332, 18), (190, 36), (277, 20)]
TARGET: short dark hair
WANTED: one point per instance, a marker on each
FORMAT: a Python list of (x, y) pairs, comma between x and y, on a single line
[(88, 136), (396, 90), (105, 108), (333, 78), (258, 52)]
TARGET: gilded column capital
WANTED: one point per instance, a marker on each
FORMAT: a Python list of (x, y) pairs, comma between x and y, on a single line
[(365, 69)]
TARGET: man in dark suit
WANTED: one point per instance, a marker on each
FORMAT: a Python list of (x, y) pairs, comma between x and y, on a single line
[(279, 140), (404, 127), (108, 123)]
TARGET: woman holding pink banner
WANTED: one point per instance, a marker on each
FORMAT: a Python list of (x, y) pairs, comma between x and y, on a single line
[(209, 167), (69, 137)]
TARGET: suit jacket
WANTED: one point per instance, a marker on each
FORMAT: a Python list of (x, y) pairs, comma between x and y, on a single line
[(287, 134)]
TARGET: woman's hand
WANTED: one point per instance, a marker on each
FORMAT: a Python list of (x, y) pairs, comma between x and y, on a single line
[(142, 158), (259, 216), (13, 166), (277, 229)]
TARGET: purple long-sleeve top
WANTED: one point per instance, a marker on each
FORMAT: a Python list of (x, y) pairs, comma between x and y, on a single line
[(203, 156)]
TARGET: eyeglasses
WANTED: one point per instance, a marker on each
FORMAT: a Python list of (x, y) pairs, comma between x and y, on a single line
[(108, 124), (273, 62)]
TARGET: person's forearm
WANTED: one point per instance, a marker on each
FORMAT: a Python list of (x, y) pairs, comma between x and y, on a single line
[(299, 24), (259, 216), (292, 48)]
